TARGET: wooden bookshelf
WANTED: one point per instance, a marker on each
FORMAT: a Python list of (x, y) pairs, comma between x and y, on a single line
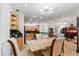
[(14, 26), (14, 22)]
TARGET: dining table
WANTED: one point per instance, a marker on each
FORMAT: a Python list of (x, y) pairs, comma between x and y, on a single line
[(40, 44)]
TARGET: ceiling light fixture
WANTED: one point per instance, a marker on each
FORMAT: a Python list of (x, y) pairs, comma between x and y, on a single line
[(41, 9), (41, 17), (50, 8), (34, 16), (26, 5), (46, 9)]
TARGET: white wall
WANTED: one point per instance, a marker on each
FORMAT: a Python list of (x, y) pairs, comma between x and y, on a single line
[(0, 29), (5, 25)]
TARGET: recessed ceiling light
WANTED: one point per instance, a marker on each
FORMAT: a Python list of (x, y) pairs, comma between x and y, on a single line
[(45, 7), (26, 5), (41, 9), (34, 16), (50, 8), (41, 17), (65, 23)]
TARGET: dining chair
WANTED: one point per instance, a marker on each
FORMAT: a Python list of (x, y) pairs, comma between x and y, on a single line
[(57, 48), (16, 50)]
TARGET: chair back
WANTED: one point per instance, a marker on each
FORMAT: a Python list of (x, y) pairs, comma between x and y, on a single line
[(57, 47), (14, 46)]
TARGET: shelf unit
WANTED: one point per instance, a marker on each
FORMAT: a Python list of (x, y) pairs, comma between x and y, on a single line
[(14, 27), (14, 22), (30, 32)]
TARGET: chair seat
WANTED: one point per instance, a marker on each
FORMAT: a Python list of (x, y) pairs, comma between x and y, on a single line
[(46, 52)]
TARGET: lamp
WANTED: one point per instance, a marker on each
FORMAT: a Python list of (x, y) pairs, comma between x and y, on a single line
[(46, 10)]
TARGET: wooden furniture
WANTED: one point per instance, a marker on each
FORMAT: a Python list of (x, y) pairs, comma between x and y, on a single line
[(14, 21), (30, 32), (77, 50), (20, 42), (14, 28), (36, 45), (57, 48), (69, 32), (30, 36)]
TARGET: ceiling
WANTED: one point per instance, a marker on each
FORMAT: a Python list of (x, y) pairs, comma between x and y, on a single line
[(33, 9)]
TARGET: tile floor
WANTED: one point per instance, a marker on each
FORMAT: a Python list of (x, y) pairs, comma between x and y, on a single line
[(70, 48)]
